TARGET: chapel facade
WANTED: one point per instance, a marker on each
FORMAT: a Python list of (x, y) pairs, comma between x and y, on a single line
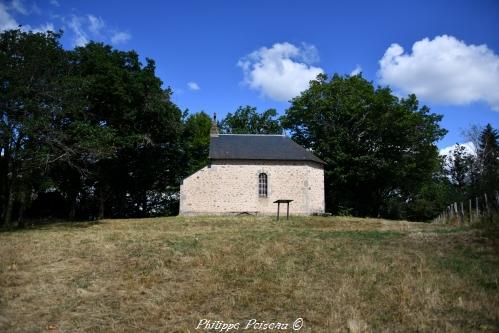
[(247, 173)]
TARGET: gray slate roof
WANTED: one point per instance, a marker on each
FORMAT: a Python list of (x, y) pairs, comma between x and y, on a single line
[(258, 147)]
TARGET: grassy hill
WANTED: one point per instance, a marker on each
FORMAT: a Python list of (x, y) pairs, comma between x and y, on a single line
[(166, 274)]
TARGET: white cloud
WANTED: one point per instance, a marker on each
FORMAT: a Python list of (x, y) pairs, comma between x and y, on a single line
[(19, 7), (120, 37), (6, 20), (282, 71), (357, 70), (80, 36), (193, 86), (55, 3), (469, 148), (308, 53), (443, 70), (44, 27), (95, 24), (82, 28), (91, 27)]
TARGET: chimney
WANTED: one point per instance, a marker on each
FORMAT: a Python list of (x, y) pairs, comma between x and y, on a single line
[(214, 127)]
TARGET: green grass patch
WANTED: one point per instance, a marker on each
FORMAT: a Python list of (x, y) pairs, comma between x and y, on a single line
[(364, 235), (184, 246), (476, 264), (451, 230)]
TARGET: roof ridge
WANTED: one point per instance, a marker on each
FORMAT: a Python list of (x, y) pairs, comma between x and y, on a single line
[(254, 135), (259, 146)]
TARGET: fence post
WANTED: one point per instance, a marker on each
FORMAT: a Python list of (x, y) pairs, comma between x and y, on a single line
[(471, 212), (477, 209), (462, 212), (486, 203)]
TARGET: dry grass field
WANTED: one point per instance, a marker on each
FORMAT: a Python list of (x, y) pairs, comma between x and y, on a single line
[(166, 274)]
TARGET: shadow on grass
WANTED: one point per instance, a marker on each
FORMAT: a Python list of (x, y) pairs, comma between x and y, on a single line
[(47, 224), (478, 270), (352, 234), (452, 230)]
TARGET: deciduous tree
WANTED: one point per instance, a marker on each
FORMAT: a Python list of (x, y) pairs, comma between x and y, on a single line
[(246, 120), (377, 147)]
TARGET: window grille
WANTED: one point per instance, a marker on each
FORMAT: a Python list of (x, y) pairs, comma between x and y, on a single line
[(262, 185)]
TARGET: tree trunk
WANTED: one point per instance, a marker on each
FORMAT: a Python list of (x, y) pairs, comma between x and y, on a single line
[(22, 208), (102, 202), (72, 211), (4, 185), (8, 207), (72, 208), (10, 200), (12, 185)]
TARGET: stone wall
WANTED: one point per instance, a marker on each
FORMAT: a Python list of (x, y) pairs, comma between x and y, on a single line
[(228, 187)]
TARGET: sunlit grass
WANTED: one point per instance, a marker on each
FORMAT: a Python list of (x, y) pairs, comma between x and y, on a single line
[(165, 274)]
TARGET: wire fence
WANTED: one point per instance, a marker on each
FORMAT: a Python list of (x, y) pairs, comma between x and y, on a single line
[(470, 211)]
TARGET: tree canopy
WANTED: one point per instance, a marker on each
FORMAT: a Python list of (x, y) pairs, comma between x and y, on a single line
[(246, 120), (488, 160), (91, 133), (196, 140), (92, 124), (377, 148)]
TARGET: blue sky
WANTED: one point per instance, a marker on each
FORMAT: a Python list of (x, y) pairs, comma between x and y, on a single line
[(217, 55)]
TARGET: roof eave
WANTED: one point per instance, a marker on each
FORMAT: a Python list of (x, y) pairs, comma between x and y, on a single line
[(318, 161)]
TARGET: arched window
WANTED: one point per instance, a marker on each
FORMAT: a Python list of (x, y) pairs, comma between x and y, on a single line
[(262, 185)]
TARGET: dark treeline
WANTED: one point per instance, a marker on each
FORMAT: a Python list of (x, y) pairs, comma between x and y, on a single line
[(86, 133), (476, 172), (90, 133)]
